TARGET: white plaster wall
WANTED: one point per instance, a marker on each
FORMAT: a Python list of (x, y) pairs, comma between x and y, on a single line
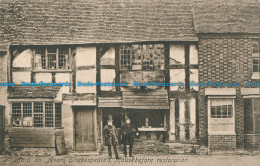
[(182, 119), (19, 77), (86, 56), (177, 54), (109, 57), (62, 78), (107, 75), (194, 77), (192, 118), (44, 77), (86, 76), (23, 59), (67, 123), (193, 55), (177, 75)]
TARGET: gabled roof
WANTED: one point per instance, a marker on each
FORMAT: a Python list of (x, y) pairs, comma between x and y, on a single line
[(96, 21), (33, 92), (44, 22)]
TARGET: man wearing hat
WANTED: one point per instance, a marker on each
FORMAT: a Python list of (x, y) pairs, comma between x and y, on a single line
[(111, 137), (128, 134)]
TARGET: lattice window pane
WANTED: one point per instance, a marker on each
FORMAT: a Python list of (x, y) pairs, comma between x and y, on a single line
[(64, 58), (40, 58), (48, 114), (52, 61), (27, 114), (142, 57), (17, 114), (125, 58), (38, 114), (57, 115)]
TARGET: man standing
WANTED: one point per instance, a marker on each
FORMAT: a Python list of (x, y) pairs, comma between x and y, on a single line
[(128, 134), (111, 137)]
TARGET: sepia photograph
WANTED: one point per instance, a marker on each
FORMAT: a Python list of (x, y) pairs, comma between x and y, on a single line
[(130, 82)]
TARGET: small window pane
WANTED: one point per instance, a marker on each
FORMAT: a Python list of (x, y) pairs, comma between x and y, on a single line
[(38, 114), (57, 115), (40, 58), (219, 111), (224, 111), (213, 111), (63, 58), (16, 113), (52, 61), (255, 68), (27, 114), (230, 111), (48, 114)]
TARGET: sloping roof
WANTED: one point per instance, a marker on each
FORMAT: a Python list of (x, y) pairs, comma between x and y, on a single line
[(226, 16), (95, 21), (33, 92), (44, 22)]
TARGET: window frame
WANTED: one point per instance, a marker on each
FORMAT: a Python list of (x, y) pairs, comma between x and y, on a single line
[(45, 53), (54, 118), (210, 119), (131, 49), (255, 55), (254, 115)]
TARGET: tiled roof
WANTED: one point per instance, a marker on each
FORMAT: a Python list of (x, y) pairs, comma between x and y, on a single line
[(43, 22), (226, 16), (33, 92), (96, 21)]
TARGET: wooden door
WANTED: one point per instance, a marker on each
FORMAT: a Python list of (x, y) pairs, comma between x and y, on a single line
[(2, 129), (84, 128)]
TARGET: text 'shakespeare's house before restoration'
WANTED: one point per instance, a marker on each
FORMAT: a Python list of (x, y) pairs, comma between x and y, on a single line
[(177, 43)]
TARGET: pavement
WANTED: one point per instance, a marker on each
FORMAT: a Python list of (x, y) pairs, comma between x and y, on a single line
[(142, 160)]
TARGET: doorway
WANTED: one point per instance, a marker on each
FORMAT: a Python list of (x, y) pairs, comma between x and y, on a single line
[(84, 128)]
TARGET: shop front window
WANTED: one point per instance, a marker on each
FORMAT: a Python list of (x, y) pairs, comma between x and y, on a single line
[(221, 115), (36, 114)]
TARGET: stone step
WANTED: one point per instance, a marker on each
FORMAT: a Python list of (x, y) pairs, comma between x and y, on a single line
[(156, 146)]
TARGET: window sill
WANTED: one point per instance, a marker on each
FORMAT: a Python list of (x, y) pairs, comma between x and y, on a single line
[(255, 76), (52, 70), (222, 133), (23, 127)]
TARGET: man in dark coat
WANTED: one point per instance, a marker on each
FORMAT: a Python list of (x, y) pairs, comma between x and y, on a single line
[(111, 137), (128, 134)]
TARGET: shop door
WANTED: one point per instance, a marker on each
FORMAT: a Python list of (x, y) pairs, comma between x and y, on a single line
[(84, 128)]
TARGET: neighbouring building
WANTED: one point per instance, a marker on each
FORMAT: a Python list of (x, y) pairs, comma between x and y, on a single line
[(174, 42)]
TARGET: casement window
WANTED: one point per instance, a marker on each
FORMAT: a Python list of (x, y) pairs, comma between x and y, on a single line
[(36, 114), (142, 57), (256, 60), (252, 116), (221, 117), (52, 58), (221, 108)]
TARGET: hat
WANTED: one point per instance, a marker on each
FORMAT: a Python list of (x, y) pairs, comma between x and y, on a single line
[(109, 118), (127, 118)]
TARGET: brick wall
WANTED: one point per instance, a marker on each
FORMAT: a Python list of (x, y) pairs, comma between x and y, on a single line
[(222, 142), (224, 58), (252, 142)]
